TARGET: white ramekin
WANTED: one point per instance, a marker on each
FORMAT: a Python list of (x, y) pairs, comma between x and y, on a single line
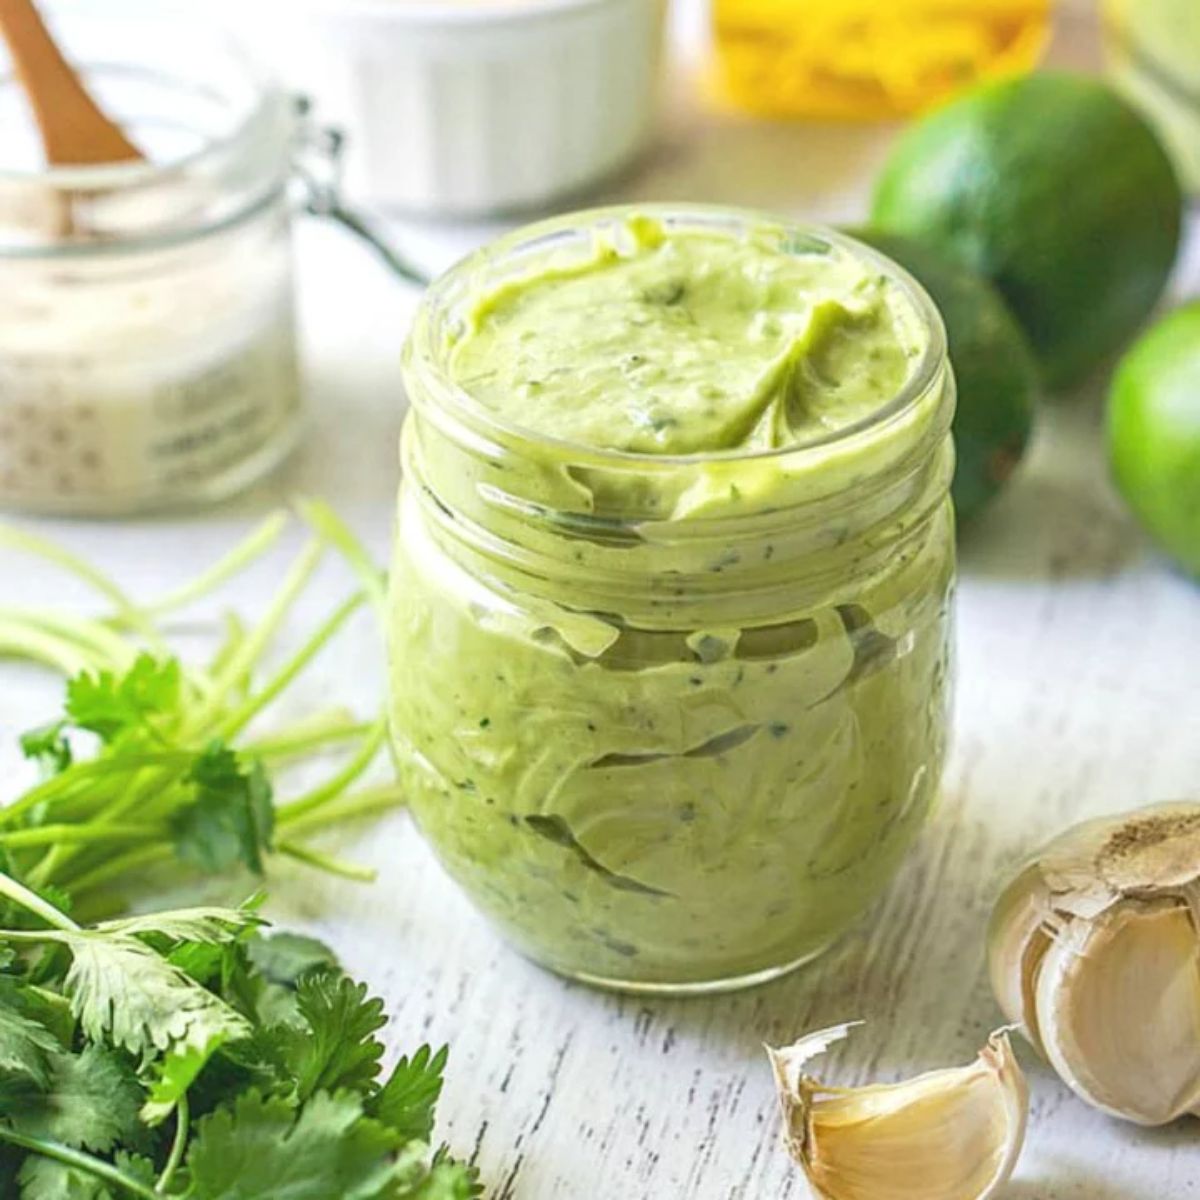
[(467, 107)]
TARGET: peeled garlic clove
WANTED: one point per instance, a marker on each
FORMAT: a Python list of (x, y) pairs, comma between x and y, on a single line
[(1119, 1003), (947, 1135), (1094, 949)]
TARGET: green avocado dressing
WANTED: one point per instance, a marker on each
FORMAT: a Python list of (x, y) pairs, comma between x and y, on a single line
[(689, 343), (673, 722)]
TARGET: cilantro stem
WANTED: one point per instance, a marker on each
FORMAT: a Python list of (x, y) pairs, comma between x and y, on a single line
[(20, 539), (112, 867), (241, 556), (245, 712), (18, 893), (178, 1145), (79, 1160), (108, 649), (338, 782), (81, 773), (21, 641), (247, 653), (324, 521), (47, 835), (367, 802), (311, 734), (328, 862)]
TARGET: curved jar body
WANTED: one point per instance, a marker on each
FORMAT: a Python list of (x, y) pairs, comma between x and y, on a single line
[(147, 332), (672, 722)]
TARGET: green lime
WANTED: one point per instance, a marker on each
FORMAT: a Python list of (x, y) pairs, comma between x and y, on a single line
[(1056, 190), (993, 366), (1154, 432)]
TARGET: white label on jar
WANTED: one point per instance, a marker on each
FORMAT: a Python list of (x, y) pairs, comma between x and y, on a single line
[(155, 422)]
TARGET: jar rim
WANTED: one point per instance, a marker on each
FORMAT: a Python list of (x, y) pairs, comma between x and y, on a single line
[(423, 357), (238, 120)]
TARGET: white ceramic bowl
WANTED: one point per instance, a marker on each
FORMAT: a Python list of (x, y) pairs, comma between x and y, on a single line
[(466, 107)]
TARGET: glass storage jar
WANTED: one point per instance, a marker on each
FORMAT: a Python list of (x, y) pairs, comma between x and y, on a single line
[(671, 721), (147, 335)]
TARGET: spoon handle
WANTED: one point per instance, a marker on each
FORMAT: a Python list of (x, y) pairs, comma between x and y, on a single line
[(75, 132)]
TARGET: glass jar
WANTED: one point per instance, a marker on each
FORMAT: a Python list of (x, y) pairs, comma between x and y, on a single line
[(671, 721), (147, 333), (1153, 47)]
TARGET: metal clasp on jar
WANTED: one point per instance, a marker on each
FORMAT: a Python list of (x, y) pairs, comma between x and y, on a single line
[(318, 161)]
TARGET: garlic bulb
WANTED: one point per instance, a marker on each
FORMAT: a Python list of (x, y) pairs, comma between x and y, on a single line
[(947, 1135), (1094, 951)]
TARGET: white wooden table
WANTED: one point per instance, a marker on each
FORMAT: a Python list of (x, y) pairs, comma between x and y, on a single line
[(1077, 695)]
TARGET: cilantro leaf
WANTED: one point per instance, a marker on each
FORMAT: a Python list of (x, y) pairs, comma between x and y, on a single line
[(407, 1101), (335, 1047), (25, 1045), (48, 747), (284, 957), (207, 925), (108, 705), (264, 1146), (176, 1074), (90, 1101), (129, 996), (45, 1179), (232, 819), (277, 963), (447, 1180)]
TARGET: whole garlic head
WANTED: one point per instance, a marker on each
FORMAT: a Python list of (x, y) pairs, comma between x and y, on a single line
[(947, 1135), (1094, 951)]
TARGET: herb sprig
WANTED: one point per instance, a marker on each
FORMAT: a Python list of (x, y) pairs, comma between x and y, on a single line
[(153, 761), (188, 1054)]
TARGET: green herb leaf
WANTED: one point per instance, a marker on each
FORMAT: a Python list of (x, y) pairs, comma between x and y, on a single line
[(25, 1045), (407, 1101), (208, 925), (447, 1180), (44, 1179), (264, 1146), (335, 1048), (129, 996), (90, 1101), (48, 747), (108, 704), (232, 819), (284, 957)]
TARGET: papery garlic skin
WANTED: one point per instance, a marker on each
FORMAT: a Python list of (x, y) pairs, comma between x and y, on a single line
[(953, 1134), (1094, 950)]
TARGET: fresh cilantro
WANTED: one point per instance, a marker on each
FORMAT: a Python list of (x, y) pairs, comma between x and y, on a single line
[(25, 1044), (48, 747), (283, 957), (89, 1101), (232, 818), (167, 777), (109, 705), (265, 1146), (144, 1066), (408, 1099), (335, 1047)]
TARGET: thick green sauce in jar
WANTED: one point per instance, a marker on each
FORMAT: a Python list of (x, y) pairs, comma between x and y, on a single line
[(669, 634)]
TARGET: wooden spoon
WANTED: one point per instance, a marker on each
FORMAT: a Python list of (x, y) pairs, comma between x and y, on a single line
[(75, 132)]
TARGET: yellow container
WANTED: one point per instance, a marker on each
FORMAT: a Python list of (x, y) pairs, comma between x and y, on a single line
[(866, 59)]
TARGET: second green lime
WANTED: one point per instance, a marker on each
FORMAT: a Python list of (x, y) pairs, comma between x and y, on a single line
[(1055, 189)]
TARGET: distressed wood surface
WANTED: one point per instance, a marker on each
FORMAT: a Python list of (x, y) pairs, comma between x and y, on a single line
[(1078, 651)]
